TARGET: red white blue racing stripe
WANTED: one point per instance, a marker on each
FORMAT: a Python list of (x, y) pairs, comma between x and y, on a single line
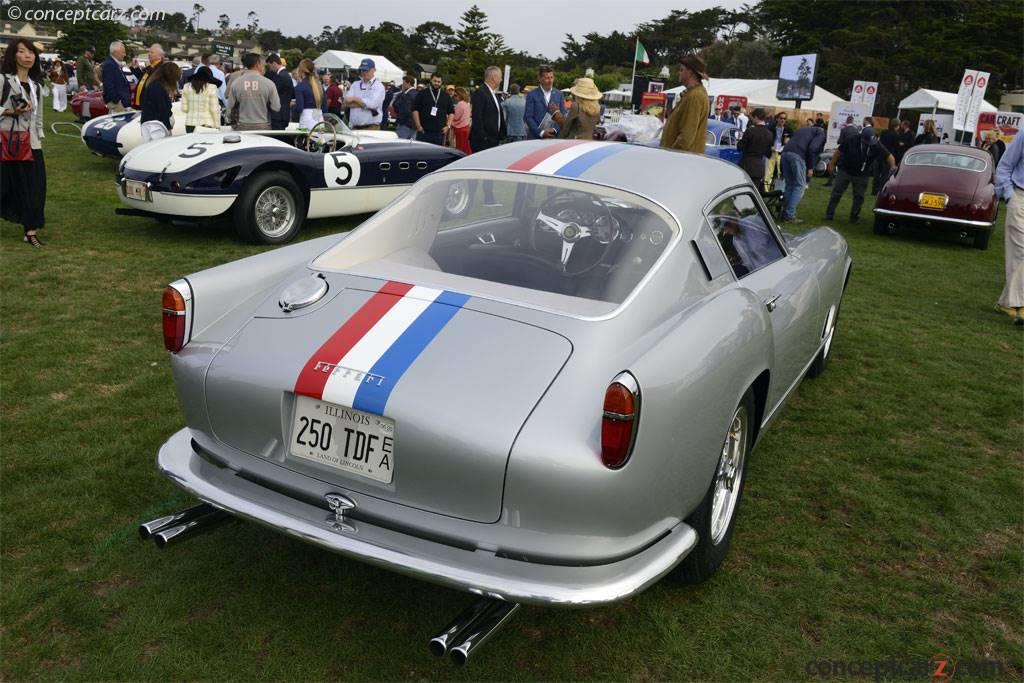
[(568, 159), (362, 362)]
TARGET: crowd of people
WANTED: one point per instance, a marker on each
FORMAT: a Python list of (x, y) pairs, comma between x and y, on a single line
[(258, 96)]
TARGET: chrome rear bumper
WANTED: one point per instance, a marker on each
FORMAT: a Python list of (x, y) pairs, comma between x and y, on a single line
[(478, 571), (953, 222)]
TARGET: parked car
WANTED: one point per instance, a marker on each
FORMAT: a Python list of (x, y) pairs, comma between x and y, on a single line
[(821, 167), (950, 188), (114, 135), (549, 397), (268, 182), (88, 104), (721, 139)]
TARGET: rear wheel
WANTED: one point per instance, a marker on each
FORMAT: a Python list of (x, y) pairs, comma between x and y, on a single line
[(881, 226), (981, 239), (270, 209), (715, 517), (821, 360)]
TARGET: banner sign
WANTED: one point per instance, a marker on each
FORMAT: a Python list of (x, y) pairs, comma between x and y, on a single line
[(223, 49), (1006, 124), (963, 98), (837, 119), (864, 92), (977, 97), (726, 101)]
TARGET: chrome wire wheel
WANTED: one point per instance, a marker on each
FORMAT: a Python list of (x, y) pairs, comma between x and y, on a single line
[(729, 475), (275, 211), (830, 330), (458, 198)]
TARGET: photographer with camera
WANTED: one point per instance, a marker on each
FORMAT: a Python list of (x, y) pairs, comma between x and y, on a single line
[(22, 170)]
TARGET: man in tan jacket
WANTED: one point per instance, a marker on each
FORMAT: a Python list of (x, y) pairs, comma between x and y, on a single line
[(687, 125)]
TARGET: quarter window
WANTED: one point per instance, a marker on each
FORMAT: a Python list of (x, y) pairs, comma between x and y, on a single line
[(743, 232)]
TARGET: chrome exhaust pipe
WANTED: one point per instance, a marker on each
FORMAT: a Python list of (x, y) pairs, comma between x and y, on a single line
[(480, 632), (199, 525), (147, 529), (440, 643)]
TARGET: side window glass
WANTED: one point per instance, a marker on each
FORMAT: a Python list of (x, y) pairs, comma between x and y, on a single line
[(745, 236), (709, 138)]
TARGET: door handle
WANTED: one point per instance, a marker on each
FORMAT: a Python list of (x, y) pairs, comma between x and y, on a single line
[(772, 302)]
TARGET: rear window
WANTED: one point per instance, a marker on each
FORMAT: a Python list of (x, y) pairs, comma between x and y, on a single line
[(945, 159), (562, 237)]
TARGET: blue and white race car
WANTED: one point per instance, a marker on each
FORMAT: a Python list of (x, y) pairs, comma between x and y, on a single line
[(267, 183)]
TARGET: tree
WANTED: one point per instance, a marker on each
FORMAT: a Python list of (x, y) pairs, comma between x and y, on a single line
[(197, 11), (429, 40), (472, 49), (254, 23), (175, 22), (741, 59), (223, 22)]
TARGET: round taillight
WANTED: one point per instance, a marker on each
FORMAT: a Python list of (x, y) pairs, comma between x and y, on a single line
[(619, 421), (174, 319)]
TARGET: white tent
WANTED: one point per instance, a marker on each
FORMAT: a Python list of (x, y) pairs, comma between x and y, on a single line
[(934, 102), (760, 92), (341, 59)]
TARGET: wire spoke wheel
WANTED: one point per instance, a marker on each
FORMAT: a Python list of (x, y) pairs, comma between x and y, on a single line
[(275, 211)]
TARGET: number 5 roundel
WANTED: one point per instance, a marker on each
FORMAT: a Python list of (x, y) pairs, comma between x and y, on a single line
[(341, 169)]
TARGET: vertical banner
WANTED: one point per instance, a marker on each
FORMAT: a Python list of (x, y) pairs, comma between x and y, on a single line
[(870, 92), (508, 78), (837, 119), (857, 92), (963, 98), (977, 97), (864, 92)]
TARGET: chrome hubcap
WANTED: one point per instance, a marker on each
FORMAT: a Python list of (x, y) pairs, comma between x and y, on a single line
[(728, 476), (275, 211)]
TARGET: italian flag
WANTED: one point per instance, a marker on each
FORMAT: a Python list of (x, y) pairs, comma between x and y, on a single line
[(641, 53)]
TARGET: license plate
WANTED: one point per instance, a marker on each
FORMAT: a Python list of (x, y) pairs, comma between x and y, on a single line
[(344, 439), (932, 201), (85, 110), (134, 189)]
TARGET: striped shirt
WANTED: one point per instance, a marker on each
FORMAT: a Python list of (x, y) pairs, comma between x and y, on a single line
[(201, 108)]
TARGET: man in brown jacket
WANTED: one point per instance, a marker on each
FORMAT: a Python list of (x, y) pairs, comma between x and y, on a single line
[(687, 125)]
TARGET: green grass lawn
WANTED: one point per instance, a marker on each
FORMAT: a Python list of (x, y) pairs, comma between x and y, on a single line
[(882, 517)]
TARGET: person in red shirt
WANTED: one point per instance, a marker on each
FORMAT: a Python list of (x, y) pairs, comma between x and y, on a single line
[(334, 96)]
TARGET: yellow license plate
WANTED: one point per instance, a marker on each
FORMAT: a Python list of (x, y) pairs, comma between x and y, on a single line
[(932, 201)]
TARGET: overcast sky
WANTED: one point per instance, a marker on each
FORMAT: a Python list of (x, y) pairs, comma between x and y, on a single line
[(534, 26)]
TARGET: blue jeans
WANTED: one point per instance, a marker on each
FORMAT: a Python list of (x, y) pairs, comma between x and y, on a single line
[(794, 170)]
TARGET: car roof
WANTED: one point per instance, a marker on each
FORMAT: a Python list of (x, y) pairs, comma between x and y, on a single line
[(682, 182)]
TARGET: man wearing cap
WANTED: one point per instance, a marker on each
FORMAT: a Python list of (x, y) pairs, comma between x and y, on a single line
[(856, 159), (86, 69), (365, 98), (282, 80), (687, 125)]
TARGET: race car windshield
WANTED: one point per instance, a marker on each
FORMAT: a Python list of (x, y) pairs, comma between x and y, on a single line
[(560, 237)]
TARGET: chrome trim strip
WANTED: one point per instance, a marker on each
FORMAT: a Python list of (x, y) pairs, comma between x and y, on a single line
[(480, 572), (941, 219)]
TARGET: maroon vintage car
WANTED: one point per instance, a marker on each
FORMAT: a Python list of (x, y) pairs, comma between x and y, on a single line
[(944, 187), (88, 105)]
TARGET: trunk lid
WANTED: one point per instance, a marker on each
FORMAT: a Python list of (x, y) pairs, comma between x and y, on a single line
[(458, 384)]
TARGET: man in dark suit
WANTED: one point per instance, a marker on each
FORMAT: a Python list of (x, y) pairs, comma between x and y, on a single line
[(117, 93), (547, 99), (277, 73), (489, 126)]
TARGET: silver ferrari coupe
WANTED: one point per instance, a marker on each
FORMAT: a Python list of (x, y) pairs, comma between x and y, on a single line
[(548, 396)]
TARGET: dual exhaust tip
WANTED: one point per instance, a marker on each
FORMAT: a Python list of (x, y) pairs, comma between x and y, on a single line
[(471, 629), (183, 525), (463, 636)]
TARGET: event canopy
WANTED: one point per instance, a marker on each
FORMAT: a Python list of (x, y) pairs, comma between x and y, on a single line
[(341, 59), (760, 92), (934, 102)]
